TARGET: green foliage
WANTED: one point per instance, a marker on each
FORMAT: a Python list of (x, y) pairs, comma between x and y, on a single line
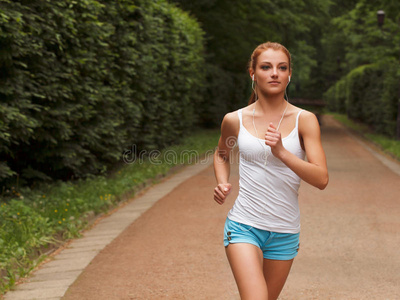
[(225, 92), (390, 146), (362, 63), (335, 96), (176, 65), (82, 80), (366, 42), (234, 28), (353, 38), (369, 94)]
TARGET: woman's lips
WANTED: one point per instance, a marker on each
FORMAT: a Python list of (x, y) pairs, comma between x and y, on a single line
[(274, 82)]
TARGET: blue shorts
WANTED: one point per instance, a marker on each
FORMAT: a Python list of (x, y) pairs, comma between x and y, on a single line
[(274, 245)]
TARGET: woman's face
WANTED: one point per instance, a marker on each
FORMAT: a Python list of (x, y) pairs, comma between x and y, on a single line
[(272, 71)]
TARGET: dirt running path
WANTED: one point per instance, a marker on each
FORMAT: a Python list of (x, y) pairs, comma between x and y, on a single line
[(350, 238)]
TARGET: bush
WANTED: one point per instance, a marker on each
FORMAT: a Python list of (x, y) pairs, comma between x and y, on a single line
[(368, 94), (335, 96), (82, 80)]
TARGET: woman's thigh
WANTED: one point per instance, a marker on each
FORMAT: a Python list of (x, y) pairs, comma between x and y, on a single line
[(246, 262), (275, 274)]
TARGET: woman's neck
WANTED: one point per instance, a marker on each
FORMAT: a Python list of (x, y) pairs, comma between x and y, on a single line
[(271, 104)]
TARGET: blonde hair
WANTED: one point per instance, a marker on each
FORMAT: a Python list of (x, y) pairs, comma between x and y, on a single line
[(256, 53)]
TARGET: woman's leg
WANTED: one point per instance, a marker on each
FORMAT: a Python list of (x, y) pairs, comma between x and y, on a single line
[(276, 273), (246, 261)]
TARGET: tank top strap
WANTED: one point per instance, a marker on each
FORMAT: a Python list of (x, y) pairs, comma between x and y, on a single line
[(297, 119), (240, 117)]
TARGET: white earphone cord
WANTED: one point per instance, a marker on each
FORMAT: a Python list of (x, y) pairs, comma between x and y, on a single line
[(280, 121), (279, 124)]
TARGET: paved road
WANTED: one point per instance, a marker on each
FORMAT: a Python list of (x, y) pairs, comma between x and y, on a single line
[(350, 238)]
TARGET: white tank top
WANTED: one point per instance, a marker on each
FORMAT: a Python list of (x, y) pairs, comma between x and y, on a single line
[(268, 195)]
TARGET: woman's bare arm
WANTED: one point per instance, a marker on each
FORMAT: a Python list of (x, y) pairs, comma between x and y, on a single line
[(229, 132)]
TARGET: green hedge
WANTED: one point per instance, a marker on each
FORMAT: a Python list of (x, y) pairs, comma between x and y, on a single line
[(80, 81), (336, 96), (369, 94)]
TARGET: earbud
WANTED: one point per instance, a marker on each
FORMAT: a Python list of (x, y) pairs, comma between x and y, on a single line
[(289, 78), (253, 77)]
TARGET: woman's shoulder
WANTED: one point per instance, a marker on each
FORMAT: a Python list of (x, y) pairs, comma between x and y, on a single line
[(307, 120), (233, 116), (306, 115), (231, 120), (302, 113)]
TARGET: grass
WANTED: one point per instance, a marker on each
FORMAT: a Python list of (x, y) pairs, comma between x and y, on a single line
[(389, 145), (35, 219)]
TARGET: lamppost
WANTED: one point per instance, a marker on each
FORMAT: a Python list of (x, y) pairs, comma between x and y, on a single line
[(381, 19)]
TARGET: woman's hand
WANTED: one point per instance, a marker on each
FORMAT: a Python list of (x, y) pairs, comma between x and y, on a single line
[(274, 140), (314, 170), (221, 191)]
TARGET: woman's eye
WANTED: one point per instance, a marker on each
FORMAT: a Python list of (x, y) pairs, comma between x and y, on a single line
[(283, 68)]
